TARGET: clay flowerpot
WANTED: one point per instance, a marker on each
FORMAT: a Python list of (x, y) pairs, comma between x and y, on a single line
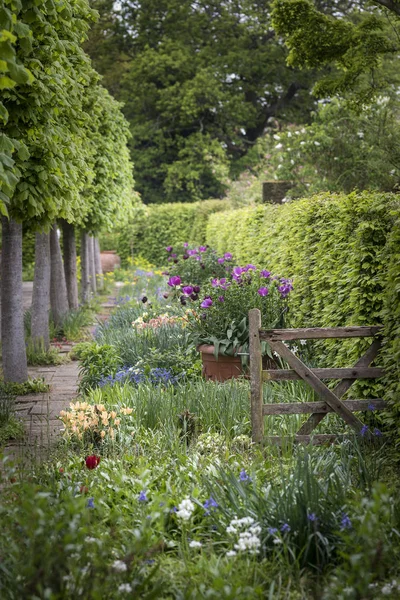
[(221, 369), (109, 260)]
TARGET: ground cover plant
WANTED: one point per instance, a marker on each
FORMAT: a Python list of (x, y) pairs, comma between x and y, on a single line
[(157, 491)]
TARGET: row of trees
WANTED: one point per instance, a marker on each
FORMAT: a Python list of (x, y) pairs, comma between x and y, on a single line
[(63, 158)]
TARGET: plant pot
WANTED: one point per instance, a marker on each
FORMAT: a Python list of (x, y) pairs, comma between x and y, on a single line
[(226, 367), (221, 369), (109, 260)]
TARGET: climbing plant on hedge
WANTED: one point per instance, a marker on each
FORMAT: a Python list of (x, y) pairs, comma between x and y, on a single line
[(336, 249)]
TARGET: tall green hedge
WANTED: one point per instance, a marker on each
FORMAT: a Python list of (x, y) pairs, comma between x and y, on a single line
[(343, 253), (156, 226)]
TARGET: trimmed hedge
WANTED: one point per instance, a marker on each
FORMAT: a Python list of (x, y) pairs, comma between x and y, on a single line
[(343, 252), (156, 226)]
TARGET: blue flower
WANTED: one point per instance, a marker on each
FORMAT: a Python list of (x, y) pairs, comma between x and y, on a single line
[(272, 530), (364, 430), (312, 517), (243, 476), (209, 504), (90, 503), (285, 528), (142, 496), (371, 406), (345, 522), (377, 432)]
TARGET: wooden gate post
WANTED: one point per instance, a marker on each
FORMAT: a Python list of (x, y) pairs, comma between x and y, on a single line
[(256, 382)]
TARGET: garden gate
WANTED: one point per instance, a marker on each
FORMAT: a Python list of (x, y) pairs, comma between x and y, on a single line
[(330, 399)]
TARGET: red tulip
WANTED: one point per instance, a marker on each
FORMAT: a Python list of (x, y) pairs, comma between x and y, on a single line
[(92, 461)]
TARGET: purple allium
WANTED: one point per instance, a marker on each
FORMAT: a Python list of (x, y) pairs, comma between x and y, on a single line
[(364, 430), (345, 523), (262, 291), (272, 530), (285, 528), (196, 289), (243, 476), (174, 281), (169, 248), (266, 274), (228, 256), (90, 503), (142, 496), (187, 290), (312, 517), (221, 299), (378, 432), (207, 302), (202, 248), (221, 261)]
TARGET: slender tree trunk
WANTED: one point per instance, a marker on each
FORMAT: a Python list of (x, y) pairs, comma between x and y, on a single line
[(97, 264), (12, 314), (85, 281), (92, 269), (58, 287), (41, 292), (69, 251)]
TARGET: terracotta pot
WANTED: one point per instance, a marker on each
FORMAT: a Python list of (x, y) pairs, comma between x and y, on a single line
[(226, 367), (109, 260), (221, 369)]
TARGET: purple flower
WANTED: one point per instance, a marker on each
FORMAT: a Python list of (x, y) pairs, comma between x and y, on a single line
[(185, 244), (185, 257), (249, 268), (228, 256), (215, 282), (174, 281), (187, 290), (262, 291), (243, 476), (174, 255), (142, 496), (345, 522), (221, 298), (169, 248), (364, 430), (191, 252), (90, 503), (272, 530), (237, 271), (207, 302), (210, 503), (196, 289), (377, 432), (194, 297), (221, 261), (202, 248), (371, 406), (285, 528), (312, 517), (265, 273)]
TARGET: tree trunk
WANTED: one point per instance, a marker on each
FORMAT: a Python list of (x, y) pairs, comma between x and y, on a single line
[(69, 251), (12, 314), (97, 264), (85, 281), (41, 292), (58, 287), (92, 269)]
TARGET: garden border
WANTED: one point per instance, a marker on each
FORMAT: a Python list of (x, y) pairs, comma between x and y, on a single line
[(331, 399)]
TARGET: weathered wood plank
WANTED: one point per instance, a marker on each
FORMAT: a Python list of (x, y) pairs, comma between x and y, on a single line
[(342, 387), (256, 385), (317, 385), (315, 333), (343, 373), (299, 408)]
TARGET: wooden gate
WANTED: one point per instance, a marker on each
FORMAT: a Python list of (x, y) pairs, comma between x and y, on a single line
[(330, 399)]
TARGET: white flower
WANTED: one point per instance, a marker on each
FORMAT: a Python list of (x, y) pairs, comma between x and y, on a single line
[(125, 587), (231, 553), (276, 137), (195, 544), (278, 146), (360, 134), (303, 342), (295, 349), (302, 143), (387, 589), (317, 144), (119, 566), (185, 509), (289, 134), (90, 540), (248, 542), (277, 541)]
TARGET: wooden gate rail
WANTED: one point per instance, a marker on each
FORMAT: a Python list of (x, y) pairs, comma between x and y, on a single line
[(331, 399)]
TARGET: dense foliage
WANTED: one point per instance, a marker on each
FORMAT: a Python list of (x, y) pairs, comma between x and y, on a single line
[(340, 253)]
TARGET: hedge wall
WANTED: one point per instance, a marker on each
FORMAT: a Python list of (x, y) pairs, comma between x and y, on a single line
[(343, 253), (156, 226)]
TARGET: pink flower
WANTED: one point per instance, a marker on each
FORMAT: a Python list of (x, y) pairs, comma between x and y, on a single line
[(92, 461)]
